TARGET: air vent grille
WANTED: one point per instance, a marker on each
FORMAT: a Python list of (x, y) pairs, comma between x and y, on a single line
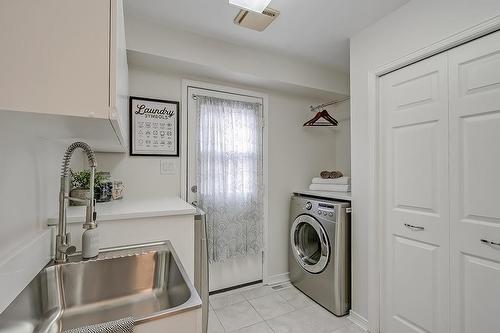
[(256, 21), (269, 13)]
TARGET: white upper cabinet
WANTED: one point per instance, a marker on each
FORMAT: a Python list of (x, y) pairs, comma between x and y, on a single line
[(66, 58)]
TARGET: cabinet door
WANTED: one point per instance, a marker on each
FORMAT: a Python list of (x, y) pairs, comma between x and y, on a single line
[(119, 74), (475, 185), (414, 128), (55, 57)]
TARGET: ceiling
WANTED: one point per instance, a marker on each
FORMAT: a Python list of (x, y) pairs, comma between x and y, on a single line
[(316, 31)]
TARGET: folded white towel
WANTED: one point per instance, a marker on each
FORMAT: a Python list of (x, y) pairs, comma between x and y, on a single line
[(330, 187), (334, 181)]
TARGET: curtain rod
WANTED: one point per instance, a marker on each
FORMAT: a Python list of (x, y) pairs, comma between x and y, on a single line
[(337, 101), (195, 96)]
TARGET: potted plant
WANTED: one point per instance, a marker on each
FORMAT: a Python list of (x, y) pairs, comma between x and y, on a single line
[(80, 182)]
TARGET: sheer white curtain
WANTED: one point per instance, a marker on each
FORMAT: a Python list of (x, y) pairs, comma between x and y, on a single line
[(230, 176)]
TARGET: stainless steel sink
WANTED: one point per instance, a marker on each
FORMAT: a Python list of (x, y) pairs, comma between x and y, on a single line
[(144, 281)]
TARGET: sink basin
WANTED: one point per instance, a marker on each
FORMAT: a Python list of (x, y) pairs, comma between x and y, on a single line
[(144, 281)]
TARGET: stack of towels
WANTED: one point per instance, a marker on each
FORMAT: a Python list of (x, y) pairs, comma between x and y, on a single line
[(342, 184)]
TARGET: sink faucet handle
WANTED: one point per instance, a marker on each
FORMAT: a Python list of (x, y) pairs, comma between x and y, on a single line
[(83, 201), (63, 245), (67, 249)]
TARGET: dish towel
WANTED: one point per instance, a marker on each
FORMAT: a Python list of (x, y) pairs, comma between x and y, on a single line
[(125, 325), (330, 187), (336, 181)]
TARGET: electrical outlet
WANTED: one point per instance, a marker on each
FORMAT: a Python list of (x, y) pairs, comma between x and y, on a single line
[(167, 167)]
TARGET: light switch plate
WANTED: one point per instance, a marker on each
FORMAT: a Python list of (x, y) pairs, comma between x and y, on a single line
[(167, 167)]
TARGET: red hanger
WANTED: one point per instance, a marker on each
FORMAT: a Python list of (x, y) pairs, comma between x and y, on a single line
[(322, 115)]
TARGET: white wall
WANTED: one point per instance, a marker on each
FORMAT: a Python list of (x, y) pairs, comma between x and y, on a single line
[(343, 147), (341, 112), (29, 174), (141, 175), (149, 37), (416, 25), (29, 178), (296, 154)]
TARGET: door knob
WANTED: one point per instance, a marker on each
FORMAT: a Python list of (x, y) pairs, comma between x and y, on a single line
[(194, 189)]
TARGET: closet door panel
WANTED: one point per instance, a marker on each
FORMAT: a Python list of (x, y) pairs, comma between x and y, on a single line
[(475, 184), (415, 168), (414, 107), (414, 116), (414, 261), (479, 303), (480, 166)]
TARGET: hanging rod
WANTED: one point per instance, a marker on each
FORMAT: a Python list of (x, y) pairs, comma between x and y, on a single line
[(337, 101)]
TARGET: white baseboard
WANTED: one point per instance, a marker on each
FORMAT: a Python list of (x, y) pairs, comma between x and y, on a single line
[(358, 320), (277, 279)]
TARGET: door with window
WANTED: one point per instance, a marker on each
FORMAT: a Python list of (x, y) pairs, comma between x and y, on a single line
[(225, 179)]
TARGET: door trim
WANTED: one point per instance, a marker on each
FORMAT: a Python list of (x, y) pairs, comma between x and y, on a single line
[(375, 230), (184, 147)]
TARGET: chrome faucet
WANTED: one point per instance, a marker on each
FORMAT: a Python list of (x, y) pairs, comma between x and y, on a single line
[(63, 239)]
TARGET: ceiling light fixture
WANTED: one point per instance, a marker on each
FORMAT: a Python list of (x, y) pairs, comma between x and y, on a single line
[(253, 5)]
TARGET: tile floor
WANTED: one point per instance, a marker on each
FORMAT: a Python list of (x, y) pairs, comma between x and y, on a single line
[(265, 310)]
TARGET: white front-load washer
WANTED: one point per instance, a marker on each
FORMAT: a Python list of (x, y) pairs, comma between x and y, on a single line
[(319, 251)]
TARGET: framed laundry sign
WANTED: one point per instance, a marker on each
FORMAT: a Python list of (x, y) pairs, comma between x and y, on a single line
[(154, 127)]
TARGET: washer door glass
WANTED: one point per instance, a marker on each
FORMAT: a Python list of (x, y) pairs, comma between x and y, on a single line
[(309, 244)]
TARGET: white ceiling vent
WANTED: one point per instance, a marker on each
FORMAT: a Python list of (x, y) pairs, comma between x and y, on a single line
[(256, 21)]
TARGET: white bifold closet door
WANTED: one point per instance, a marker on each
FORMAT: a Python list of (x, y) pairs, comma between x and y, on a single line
[(440, 124), (414, 115), (475, 185)]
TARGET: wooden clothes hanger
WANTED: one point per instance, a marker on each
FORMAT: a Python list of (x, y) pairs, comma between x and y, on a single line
[(330, 121)]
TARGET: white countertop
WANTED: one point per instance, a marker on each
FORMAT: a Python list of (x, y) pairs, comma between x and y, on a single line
[(324, 194), (129, 209)]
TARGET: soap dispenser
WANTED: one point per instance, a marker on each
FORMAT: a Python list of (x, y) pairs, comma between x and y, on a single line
[(90, 243)]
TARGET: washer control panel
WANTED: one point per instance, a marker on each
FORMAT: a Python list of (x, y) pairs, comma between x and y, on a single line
[(324, 210), (315, 207), (325, 213)]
